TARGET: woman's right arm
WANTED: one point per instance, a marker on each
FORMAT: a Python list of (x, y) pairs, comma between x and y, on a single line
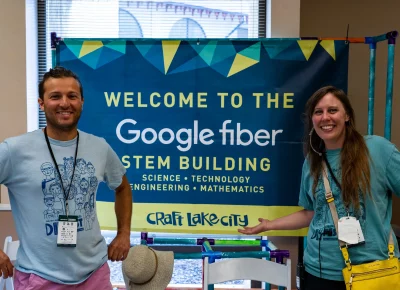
[(298, 220)]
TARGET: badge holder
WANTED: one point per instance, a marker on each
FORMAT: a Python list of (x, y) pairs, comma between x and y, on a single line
[(67, 231), (349, 231)]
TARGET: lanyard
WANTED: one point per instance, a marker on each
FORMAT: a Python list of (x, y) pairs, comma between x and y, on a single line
[(66, 194), (331, 171)]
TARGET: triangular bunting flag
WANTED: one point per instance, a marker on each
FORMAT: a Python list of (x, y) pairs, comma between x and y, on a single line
[(184, 54), (66, 54), (90, 46), (155, 56), (329, 46), (119, 45), (169, 49), (197, 45), (91, 59), (207, 53), (143, 47), (240, 63), (223, 51), (252, 52), (274, 47), (307, 47), (240, 45), (74, 46)]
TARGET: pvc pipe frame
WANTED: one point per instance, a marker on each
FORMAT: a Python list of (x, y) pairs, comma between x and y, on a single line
[(389, 89), (271, 250), (391, 38), (368, 39), (371, 88)]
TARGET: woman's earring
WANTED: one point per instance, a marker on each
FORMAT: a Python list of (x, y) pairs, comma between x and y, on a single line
[(319, 153)]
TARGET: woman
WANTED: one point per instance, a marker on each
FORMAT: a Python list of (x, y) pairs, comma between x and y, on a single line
[(363, 173)]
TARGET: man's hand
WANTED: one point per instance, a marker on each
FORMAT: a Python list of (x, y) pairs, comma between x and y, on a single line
[(119, 247), (261, 227), (6, 268)]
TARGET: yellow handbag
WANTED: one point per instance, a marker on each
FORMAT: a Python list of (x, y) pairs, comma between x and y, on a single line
[(377, 275), (380, 274)]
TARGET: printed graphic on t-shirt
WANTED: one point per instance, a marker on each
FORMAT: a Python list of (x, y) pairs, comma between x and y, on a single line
[(80, 191), (323, 227)]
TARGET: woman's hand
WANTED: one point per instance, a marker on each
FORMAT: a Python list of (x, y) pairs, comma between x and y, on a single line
[(297, 220), (261, 227)]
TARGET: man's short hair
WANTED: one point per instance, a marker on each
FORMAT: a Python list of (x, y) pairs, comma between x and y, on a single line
[(57, 73)]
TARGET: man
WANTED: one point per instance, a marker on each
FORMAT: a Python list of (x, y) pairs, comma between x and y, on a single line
[(56, 250)]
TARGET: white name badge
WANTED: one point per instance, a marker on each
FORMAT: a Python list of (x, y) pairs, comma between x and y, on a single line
[(67, 231), (350, 230)]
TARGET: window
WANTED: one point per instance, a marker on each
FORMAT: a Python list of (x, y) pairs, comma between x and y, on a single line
[(129, 27), (187, 28), (147, 19)]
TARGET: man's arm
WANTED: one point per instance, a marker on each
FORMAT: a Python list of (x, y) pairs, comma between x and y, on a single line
[(119, 247)]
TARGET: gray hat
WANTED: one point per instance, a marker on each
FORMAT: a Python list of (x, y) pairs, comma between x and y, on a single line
[(147, 269)]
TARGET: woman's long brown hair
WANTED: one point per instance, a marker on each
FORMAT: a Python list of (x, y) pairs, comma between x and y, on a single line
[(354, 157)]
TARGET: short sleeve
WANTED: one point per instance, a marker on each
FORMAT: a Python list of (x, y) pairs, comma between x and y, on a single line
[(392, 172), (305, 199), (5, 163), (114, 170)]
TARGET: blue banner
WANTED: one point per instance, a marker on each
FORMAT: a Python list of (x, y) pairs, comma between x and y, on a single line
[(209, 122)]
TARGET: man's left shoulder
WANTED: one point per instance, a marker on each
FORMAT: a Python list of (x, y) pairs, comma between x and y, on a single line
[(92, 138)]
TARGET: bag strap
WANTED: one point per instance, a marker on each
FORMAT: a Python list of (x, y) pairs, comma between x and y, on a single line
[(331, 202)]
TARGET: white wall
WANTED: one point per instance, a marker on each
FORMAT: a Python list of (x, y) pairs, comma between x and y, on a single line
[(285, 18), (12, 69), (12, 83)]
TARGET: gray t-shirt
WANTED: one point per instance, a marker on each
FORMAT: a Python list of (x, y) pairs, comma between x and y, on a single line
[(322, 256), (37, 199)]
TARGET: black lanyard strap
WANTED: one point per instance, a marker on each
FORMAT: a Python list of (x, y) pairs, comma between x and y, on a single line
[(331, 171), (66, 194)]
